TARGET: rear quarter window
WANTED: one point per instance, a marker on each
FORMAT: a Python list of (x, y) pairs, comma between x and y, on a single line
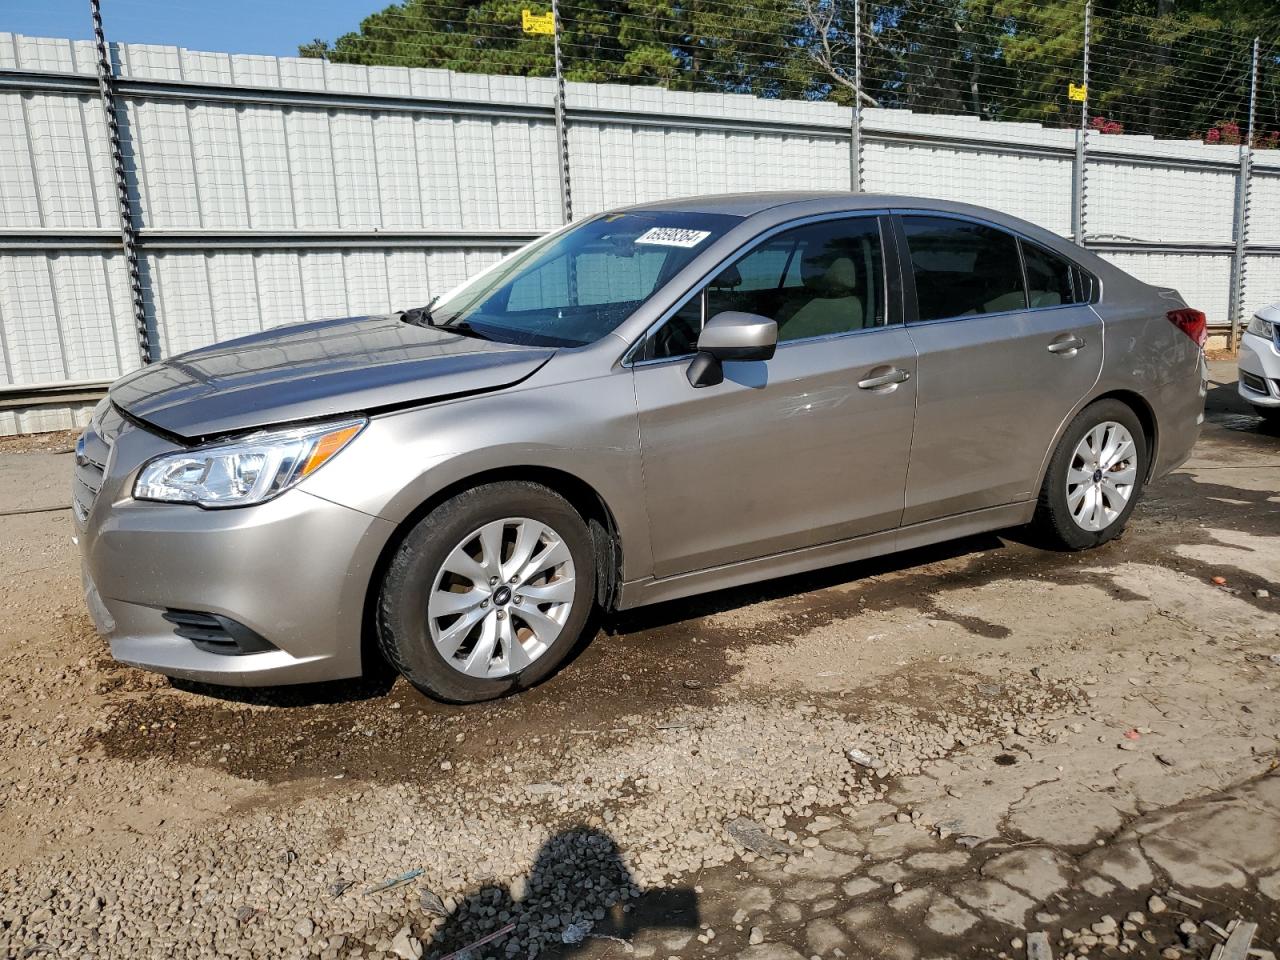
[(1050, 282), (1088, 290)]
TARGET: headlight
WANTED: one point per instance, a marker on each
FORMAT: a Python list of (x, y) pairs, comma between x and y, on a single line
[(250, 470), (1262, 328)]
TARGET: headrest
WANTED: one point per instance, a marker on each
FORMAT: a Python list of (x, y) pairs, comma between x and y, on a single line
[(838, 278)]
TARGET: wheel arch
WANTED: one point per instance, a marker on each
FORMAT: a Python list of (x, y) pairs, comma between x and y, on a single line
[(1146, 416), (583, 497), (1130, 398)]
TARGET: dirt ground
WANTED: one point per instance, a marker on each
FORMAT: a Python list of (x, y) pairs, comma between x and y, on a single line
[(942, 753)]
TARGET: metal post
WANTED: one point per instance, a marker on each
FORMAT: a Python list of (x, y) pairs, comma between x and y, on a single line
[(562, 130), (1082, 136), (855, 133), (1236, 307), (128, 239)]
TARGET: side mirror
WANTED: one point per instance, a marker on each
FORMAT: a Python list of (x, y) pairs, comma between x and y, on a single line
[(731, 336)]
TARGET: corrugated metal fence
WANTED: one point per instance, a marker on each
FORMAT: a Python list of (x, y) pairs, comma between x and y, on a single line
[(271, 190)]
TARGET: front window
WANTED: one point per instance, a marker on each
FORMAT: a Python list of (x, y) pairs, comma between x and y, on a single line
[(575, 287), (819, 280)]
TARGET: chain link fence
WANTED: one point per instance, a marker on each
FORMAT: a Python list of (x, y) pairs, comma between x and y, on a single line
[(154, 199)]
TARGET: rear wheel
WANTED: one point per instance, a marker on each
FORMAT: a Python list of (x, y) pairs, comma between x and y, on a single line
[(488, 593), (1094, 478)]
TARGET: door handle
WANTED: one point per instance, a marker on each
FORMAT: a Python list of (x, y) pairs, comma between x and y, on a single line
[(1067, 345), (885, 379)]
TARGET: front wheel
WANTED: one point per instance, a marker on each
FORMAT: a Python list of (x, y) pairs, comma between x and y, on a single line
[(488, 593), (1094, 478)]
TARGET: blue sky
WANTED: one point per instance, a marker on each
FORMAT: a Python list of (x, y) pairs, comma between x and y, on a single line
[(236, 26)]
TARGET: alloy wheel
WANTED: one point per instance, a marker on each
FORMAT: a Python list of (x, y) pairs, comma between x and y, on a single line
[(1101, 477), (501, 598)]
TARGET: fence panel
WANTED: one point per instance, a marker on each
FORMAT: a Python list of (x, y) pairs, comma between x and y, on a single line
[(271, 190), (1167, 101), (1022, 169), (1261, 281)]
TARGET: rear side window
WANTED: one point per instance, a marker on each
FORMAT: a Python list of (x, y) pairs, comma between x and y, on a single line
[(963, 268), (1049, 282)]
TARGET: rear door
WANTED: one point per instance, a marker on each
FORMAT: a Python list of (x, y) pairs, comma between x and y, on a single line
[(1007, 345)]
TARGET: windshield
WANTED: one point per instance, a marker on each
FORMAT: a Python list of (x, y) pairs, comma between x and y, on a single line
[(577, 286)]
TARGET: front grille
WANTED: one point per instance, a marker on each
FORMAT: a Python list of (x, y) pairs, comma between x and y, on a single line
[(1254, 383), (216, 634), (87, 481), (92, 451)]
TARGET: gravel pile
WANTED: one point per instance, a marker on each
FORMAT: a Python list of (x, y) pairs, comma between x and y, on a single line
[(561, 835), (1124, 936)]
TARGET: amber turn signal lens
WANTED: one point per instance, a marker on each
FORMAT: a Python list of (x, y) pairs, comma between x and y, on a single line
[(328, 445)]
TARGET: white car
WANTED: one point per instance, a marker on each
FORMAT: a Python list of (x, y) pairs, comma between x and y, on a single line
[(1260, 363)]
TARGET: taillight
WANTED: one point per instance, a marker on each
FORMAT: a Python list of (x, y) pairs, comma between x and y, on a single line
[(1191, 322)]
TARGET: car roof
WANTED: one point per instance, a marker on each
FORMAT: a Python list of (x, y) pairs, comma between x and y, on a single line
[(778, 207), (750, 204), (740, 204)]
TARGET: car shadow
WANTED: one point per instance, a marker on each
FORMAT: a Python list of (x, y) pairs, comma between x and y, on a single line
[(1225, 407), (376, 683), (794, 586), (578, 890)]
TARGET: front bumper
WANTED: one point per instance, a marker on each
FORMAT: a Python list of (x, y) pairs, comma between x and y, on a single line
[(1259, 365), (294, 570)]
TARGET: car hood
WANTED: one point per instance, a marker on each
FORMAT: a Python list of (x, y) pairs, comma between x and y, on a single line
[(320, 369)]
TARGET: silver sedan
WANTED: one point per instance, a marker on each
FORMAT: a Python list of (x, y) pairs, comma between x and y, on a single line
[(651, 403)]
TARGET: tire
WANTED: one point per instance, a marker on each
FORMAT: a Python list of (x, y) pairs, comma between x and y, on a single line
[(1057, 511), (488, 649)]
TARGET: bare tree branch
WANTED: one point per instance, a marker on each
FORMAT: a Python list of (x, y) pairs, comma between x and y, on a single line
[(820, 16)]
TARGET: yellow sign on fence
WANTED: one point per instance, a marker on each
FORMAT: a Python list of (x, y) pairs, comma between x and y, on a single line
[(537, 22), (1079, 94)]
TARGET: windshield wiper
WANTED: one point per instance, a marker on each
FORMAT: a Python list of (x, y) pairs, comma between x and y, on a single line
[(466, 329), (419, 316)]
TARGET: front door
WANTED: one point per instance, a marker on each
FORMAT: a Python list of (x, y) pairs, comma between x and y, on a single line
[(1003, 360), (810, 447)]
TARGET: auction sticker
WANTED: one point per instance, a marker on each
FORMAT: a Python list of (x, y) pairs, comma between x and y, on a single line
[(672, 237)]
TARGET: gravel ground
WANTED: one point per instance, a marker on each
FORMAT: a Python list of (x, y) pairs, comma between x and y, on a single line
[(935, 754)]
